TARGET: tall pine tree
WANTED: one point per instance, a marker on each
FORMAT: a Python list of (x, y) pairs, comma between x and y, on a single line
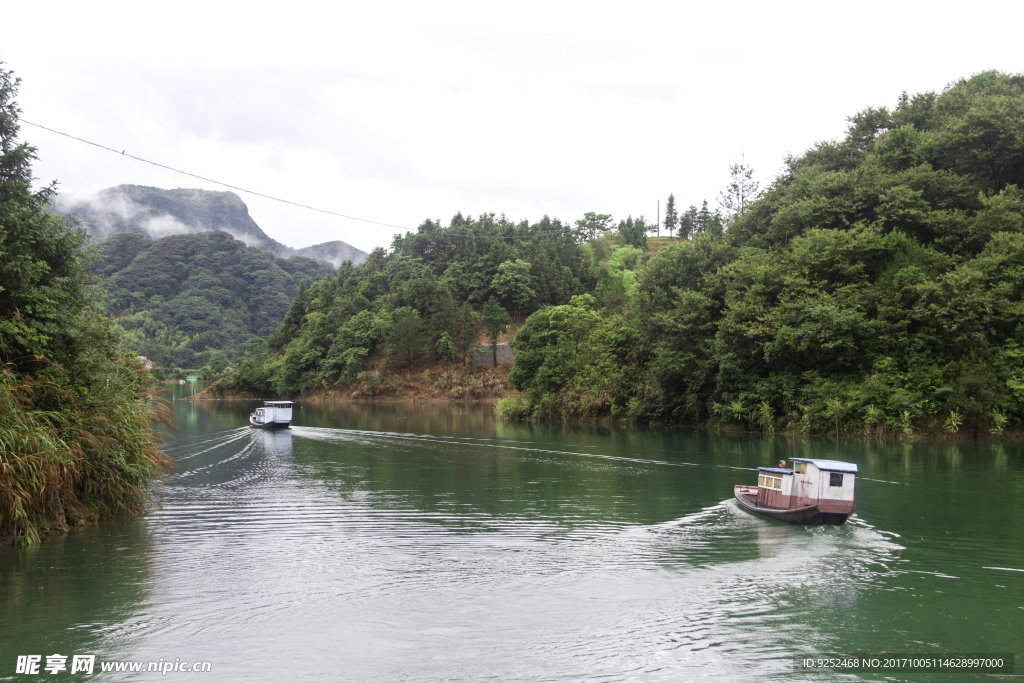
[(740, 193), (671, 215)]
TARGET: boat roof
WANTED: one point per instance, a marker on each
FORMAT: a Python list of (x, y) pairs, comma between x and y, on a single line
[(277, 403), (777, 470), (830, 465)]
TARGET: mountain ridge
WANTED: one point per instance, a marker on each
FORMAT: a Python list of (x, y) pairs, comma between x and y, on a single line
[(155, 212)]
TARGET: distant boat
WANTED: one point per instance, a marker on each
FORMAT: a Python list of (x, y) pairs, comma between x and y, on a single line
[(273, 415), (811, 492)]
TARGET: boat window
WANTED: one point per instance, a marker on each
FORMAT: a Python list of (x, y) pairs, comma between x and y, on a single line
[(760, 480), (800, 468), (835, 479), (778, 484)]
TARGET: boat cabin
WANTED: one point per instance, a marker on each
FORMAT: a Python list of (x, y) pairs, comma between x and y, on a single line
[(811, 481), (277, 413)]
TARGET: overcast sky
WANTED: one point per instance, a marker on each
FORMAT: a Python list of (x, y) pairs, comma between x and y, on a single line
[(400, 112)]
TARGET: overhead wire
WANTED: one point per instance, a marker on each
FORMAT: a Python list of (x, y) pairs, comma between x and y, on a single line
[(123, 153)]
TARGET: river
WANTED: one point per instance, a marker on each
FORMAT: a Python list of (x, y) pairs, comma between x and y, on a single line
[(430, 542)]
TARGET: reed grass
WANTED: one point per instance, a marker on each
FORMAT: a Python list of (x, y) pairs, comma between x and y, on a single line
[(96, 456)]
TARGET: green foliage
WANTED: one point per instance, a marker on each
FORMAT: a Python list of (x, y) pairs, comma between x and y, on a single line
[(443, 274), (76, 442), (741, 192), (445, 348), (512, 283), (612, 266), (186, 296), (406, 337), (548, 347), (875, 286), (512, 408), (634, 232), (592, 224), (671, 215)]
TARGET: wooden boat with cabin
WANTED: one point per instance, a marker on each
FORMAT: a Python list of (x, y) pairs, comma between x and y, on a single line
[(813, 491), (273, 415)]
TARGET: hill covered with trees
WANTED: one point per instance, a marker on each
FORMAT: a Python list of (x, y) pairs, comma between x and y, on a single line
[(184, 298), (875, 286), (434, 293)]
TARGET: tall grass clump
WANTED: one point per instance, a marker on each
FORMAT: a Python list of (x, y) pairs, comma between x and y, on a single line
[(512, 408), (96, 457)]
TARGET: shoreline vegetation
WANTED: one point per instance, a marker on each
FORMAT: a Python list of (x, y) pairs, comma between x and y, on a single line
[(76, 414), (433, 382)]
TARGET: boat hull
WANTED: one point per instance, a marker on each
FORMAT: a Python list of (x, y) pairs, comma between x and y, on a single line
[(269, 425), (809, 514)]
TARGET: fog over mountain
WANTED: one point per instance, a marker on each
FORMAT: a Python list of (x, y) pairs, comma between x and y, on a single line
[(154, 213)]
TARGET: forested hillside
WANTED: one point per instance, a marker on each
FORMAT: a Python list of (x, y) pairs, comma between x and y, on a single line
[(184, 297), (876, 286), (432, 294), (75, 416)]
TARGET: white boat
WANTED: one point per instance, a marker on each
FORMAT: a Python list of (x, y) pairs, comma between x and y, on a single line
[(273, 415)]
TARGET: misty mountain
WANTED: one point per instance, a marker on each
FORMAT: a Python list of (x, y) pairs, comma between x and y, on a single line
[(155, 213)]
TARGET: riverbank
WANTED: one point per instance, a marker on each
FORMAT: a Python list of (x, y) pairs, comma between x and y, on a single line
[(382, 381)]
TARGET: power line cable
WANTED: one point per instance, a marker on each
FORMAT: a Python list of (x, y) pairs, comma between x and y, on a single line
[(211, 180), (267, 196)]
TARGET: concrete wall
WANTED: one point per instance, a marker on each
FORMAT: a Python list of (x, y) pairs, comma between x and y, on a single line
[(484, 355)]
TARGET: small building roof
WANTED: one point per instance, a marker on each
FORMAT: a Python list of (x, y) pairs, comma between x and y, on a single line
[(830, 465), (777, 470)]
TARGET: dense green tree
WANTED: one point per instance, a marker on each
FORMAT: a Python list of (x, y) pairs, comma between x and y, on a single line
[(218, 361), (874, 285), (513, 284), (634, 232), (549, 346), (688, 222), (42, 281), (406, 338), (445, 348), (593, 224)]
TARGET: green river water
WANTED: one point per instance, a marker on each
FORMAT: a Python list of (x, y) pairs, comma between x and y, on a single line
[(428, 542)]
